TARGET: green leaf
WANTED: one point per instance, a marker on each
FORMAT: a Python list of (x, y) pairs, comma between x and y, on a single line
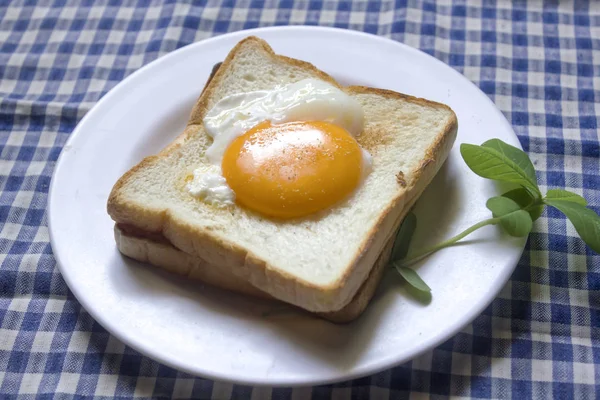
[(413, 279), (499, 161), (565, 195), (523, 198), (585, 221), (513, 219), (515, 154), (404, 236), (517, 223), (500, 206)]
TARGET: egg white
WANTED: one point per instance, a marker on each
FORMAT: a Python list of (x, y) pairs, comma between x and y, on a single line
[(211, 187), (306, 100)]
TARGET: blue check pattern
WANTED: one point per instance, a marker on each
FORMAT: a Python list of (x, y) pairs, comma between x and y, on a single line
[(538, 61)]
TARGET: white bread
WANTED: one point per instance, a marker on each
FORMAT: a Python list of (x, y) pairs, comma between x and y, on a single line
[(316, 263)]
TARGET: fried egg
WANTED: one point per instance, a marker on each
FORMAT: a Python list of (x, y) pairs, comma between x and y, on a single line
[(286, 153)]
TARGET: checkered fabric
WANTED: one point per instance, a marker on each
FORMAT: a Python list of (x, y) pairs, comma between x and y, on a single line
[(539, 62)]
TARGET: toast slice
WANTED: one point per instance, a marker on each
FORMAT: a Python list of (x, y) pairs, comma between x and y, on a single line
[(318, 263)]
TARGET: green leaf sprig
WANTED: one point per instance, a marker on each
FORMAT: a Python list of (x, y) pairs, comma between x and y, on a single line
[(400, 249), (514, 211)]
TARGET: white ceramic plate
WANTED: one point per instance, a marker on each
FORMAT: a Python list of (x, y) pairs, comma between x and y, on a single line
[(224, 336)]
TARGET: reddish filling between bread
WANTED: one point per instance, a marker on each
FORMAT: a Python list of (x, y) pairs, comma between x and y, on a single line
[(132, 230)]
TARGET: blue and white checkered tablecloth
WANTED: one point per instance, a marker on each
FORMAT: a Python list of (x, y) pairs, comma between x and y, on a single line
[(538, 61)]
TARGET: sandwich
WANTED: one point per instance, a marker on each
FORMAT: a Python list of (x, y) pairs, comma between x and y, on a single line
[(284, 184)]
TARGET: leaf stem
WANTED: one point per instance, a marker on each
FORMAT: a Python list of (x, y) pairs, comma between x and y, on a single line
[(449, 242)]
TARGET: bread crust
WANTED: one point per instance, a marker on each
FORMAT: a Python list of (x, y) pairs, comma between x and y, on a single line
[(282, 285)]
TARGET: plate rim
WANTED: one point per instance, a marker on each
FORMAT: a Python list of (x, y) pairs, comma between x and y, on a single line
[(367, 368)]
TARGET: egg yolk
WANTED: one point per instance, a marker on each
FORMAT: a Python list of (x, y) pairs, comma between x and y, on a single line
[(294, 169)]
